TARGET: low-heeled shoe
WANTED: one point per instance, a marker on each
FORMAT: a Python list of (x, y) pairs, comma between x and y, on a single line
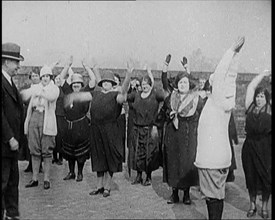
[(106, 192), (32, 183), (70, 176), (251, 213), (79, 177), (47, 184), (173, 199), (97, 191), (147, 182)]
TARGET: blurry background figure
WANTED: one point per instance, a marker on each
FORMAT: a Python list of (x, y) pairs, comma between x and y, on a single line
[(233, 139), (122, 118), (60, 120), (201, 83)]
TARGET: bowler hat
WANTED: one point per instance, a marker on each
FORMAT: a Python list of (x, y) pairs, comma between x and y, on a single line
[(11, 51), (109, 77)]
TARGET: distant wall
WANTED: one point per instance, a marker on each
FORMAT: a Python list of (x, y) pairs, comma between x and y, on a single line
[(22, 80)]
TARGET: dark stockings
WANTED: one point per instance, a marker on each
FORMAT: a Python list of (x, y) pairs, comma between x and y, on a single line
[(215, 208)]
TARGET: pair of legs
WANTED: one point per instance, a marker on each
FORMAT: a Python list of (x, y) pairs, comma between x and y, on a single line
[(29, 167), (212, 187), (103, 185), (57, 157), (36, 163), (174, 198), (148, 180), (10, 194), (252, 210), (71, 174)]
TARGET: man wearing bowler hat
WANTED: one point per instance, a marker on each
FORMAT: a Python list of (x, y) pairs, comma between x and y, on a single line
[(12, 130)]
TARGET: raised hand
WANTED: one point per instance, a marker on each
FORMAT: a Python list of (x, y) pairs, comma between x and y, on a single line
[(130, 66), (184, 61), (238, 44), (266, 73), (168, 59), (70, 61)]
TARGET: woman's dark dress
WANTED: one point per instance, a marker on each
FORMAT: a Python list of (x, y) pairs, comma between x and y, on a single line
[(76, 137), (179, 149), (60, 121), (107, 148), (256, 151), (144, 152)]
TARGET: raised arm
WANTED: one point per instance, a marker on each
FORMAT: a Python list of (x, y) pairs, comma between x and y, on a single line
[(253, 85), (77, 97), (91, 74), (184, 63), (164, 78), (224, 77), (66, 68), (121, 97), (54, 64), (150, 74)]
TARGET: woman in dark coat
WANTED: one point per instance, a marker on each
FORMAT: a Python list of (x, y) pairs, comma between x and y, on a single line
[(76, 137), (256, 151), (182, 110), (107, 149), (144, 152)]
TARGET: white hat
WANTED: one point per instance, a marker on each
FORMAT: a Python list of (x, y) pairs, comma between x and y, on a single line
[(77, 78), (46, 70)]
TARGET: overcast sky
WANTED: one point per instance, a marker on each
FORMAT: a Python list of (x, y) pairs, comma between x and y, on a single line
[(109, 33)]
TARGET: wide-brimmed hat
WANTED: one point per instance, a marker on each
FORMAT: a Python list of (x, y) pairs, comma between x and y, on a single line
[(46, 70), (11, 51), (77, 78), (107, 77)]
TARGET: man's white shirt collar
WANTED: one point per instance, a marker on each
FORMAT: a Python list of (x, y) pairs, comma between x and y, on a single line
[(7, 76)]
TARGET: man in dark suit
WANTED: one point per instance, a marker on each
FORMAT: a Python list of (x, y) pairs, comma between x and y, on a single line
[(12, 130)]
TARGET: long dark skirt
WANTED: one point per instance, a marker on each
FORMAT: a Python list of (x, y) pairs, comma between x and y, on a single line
[(61, 126), (122, 128), (76, 141), (107, 149), (179, 152), (256, 160), (144, 154)]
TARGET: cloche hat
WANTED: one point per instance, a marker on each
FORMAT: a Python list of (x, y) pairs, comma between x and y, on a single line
[(109, 77)]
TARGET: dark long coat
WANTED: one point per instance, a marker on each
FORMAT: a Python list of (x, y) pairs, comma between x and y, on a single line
[(12, 117)]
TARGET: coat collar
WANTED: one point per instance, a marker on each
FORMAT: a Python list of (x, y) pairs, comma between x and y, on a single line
[(8, 87)]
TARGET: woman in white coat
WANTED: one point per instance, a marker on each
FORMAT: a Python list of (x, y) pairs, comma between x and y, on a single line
[(40, 123)]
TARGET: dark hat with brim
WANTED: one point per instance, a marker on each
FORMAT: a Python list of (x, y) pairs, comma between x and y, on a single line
[(107, 77), (11, 51)]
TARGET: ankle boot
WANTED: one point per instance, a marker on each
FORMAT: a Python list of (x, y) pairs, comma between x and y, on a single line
[(186, 197), (174, 198), (215, 208)]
